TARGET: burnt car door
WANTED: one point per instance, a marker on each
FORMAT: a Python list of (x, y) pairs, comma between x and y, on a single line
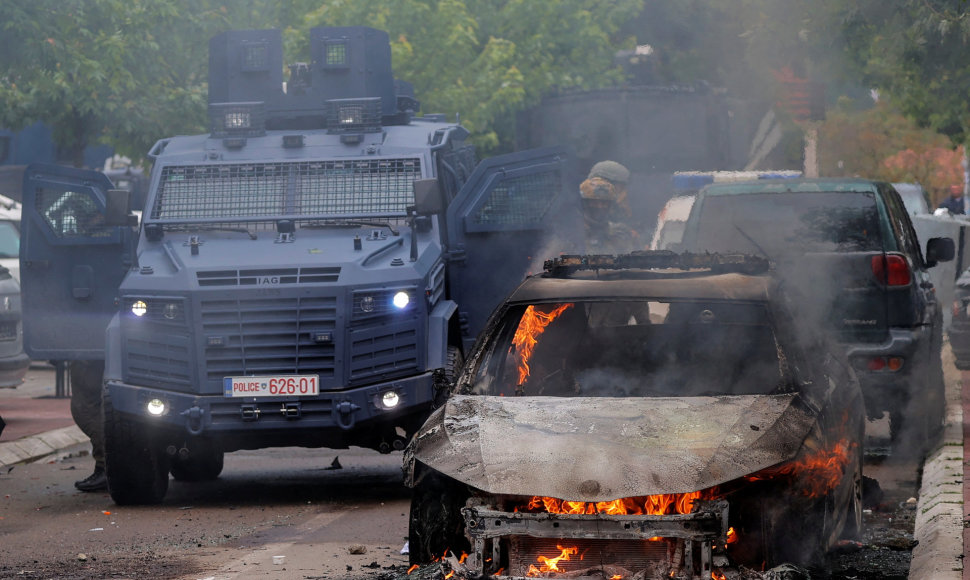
[(511, 214), (71, 262)]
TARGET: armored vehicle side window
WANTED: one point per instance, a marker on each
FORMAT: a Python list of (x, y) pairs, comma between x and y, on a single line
[(634, 348), (519, 201), (71, 214)]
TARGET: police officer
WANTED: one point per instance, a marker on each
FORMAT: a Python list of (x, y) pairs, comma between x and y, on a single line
[(954, 203), (86, 381), (606, 212)]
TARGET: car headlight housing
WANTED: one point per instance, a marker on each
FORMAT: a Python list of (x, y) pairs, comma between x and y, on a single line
[(154, 308)]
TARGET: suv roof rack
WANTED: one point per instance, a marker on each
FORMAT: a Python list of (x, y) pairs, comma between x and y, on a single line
[(566, 265)]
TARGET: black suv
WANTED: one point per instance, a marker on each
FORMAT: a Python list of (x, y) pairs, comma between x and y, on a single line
[(849, 248)]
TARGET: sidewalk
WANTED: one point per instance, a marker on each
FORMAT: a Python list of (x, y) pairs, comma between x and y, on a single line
[(38, 424)]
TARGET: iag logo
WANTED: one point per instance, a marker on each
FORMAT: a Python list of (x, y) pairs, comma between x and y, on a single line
[(268, 281)]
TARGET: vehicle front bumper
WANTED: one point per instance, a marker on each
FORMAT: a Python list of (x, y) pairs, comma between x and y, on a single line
[(330, 419)]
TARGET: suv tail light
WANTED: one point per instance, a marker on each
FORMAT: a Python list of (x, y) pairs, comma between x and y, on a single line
[(891, 270)]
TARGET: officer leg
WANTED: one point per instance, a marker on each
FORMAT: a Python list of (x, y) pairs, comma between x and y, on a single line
[(86, 385)]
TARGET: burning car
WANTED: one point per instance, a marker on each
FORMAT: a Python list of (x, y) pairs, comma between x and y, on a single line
[(637, 416)]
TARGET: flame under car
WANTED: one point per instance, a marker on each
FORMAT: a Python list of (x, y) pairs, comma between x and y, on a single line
[(629, 422)]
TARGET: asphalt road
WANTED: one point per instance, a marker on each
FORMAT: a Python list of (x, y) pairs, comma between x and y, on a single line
[(298, 513)]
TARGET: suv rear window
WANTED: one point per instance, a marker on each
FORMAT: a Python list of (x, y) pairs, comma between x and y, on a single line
[(792, 222), (633, 349)]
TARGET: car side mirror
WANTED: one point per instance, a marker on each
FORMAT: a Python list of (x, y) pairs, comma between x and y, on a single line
[(939, 250), (427, 197), (117, 207)]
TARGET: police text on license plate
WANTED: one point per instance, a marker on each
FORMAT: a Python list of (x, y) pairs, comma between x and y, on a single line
[(280, 386)]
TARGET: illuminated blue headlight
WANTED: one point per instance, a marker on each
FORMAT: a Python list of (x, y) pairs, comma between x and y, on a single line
[(401, 300)]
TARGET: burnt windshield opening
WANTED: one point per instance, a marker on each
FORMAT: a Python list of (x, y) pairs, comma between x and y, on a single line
[(634, 349)]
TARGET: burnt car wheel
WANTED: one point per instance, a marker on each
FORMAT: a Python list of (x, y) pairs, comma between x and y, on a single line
[(796, 537), (135, 463), (853, 521), (203, 463), (435, 525)]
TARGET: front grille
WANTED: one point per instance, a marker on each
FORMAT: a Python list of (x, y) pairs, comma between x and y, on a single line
[(269, 336), (156, 357), (270, 276), (385, 350), (593, 554)]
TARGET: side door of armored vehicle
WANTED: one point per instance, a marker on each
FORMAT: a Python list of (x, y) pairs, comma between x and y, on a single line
[(71, 262), (513, 212)]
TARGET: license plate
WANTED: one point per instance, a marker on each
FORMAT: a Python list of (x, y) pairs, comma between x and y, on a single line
[(280, 386)]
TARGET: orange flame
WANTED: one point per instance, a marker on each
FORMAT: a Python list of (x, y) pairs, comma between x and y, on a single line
[(818, 473), (717, 575), (412, 569), (552, 564), (732, 536), (533, 323), (661, 504)]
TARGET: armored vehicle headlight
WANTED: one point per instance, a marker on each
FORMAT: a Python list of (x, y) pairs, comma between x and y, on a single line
[(155, 407), (139, 308), (390, 399), (171, 310), (401, 300)]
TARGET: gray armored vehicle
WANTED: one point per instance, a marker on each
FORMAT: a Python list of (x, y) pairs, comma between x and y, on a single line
[(309, 273)]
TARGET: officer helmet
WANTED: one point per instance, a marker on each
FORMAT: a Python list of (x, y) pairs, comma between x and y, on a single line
[(611, 171)]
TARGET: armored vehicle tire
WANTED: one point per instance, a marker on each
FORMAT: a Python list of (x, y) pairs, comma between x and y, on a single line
[(449, 374), (204, 463), (135, 465), (435, 525)]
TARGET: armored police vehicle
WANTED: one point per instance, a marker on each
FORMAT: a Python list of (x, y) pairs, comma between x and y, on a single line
[(306, 274)]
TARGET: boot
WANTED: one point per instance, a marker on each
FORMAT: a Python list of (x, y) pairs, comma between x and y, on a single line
[(97, 481)]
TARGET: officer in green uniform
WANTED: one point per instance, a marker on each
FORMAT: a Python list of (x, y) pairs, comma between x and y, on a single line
[(606, 212)]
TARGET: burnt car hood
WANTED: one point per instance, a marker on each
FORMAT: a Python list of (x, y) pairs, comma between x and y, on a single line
[(601, 449)]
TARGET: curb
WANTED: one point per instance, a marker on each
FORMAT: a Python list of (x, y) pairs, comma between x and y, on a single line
[(27, 449), (939, 514)]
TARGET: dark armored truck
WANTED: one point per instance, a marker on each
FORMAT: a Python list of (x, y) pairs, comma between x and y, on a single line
[(306, 274)]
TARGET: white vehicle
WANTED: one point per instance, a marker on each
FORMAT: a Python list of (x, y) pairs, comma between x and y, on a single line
[(10, 235)]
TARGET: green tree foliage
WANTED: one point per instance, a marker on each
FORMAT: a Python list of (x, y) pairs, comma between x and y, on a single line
[(914, 53), (881, 143), (124, 72), (484, 60)]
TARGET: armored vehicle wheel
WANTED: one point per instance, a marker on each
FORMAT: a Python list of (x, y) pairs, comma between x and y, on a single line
[(436, 525), (135, 464), (204, 463), (450, 373)]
